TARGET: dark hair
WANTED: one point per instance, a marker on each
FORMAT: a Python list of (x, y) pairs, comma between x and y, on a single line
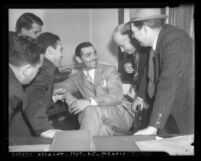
[(151, 23), (26, 20), (23, 51), (80, 46), (47, 39)]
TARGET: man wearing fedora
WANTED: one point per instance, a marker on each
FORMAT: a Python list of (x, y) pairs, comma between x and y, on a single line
[(170, 73)]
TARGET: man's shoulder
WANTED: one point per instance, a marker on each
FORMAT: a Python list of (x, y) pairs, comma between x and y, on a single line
[(172, 31), (106, 66)]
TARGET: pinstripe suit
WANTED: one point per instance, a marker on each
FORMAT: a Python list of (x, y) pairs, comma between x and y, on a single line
[(173, 80), (108, 93)]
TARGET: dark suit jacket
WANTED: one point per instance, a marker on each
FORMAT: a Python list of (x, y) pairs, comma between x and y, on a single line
[(38, 98), (17, 125), (173, 80)]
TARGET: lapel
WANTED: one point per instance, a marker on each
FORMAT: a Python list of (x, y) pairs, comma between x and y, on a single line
[(84, 82), (158, 55), (98, 78)]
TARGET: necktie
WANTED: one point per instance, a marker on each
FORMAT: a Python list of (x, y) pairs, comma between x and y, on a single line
[(89, 78), (151, 86)]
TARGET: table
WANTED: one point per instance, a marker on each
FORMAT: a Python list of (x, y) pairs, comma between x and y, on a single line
[(125, 143)]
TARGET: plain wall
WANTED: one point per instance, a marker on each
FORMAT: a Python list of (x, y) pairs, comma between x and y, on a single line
[(75, 26), (103, 23)]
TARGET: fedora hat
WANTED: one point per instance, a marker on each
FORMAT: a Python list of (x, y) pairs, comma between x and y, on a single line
[(146, 14)]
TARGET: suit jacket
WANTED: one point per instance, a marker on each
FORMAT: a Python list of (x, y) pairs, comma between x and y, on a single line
[(16, 93), (107, 89), (173, 80), (38, 98), (17, 124)]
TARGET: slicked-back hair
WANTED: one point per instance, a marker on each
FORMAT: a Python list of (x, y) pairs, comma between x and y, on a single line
[(46, 40), (23, 51), (26, 20), (80, 46)]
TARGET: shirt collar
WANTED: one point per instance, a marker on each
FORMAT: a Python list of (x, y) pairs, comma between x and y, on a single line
[(154, 44), (91, 73)]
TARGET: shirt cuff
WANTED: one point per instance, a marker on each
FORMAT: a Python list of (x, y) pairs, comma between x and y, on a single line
[(54, 99), (140, 99), (93, 102)]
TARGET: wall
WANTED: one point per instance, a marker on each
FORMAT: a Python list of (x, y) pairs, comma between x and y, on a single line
[(75, 26), (103, 23)]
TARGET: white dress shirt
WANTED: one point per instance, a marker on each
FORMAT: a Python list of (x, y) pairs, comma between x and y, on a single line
[(92, 75)]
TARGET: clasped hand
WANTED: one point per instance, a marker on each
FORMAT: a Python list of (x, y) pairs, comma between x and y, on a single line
[(138, 103), (59, 94)]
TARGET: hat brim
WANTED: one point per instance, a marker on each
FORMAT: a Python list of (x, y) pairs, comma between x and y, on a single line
[(149, 18)]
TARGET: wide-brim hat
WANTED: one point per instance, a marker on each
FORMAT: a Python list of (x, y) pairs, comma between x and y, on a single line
[(144, 14)]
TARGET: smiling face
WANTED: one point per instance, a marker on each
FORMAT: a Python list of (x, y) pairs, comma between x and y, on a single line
[(89, 57)]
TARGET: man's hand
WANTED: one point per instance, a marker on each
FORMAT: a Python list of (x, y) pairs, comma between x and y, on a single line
[(131, 93), (150, 130), (50, 133), (79, 105), (59, 94), (139, 103)]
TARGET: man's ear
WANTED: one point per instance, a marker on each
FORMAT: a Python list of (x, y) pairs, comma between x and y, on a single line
[(50, 50), (23, 31), (78, 59)]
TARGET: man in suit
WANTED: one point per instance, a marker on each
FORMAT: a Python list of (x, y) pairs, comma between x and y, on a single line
[(170, 73), (100, 110), (24, 64), (122, 36), (30, 26), (38, 94)]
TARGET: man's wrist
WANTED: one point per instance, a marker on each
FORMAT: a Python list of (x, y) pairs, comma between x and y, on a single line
[(89, 101), (93, 102)]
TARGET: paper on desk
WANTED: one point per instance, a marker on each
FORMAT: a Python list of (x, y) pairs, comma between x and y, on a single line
[(50, 133), (174, 146), (29, 148)]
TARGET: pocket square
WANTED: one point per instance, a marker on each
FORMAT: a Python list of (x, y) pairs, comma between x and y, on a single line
[(104, 83)]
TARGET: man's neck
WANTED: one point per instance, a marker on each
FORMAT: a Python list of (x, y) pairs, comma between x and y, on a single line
[(16, 71)]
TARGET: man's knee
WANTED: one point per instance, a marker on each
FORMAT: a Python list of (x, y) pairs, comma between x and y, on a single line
[(91, 111)]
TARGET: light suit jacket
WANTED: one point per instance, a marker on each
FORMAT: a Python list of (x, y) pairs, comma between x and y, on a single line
[(107, 89)]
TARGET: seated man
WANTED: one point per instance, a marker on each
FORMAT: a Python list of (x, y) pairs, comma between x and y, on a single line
[(24, 64), (100, 110)]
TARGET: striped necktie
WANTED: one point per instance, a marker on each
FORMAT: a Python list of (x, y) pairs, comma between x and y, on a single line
[(89, 78), (151, 86)]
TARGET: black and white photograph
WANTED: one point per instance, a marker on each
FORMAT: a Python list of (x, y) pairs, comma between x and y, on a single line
[(113, 80)]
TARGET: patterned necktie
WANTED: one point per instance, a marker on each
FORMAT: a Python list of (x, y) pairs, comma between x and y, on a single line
[(89, 78), (151, 86)]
